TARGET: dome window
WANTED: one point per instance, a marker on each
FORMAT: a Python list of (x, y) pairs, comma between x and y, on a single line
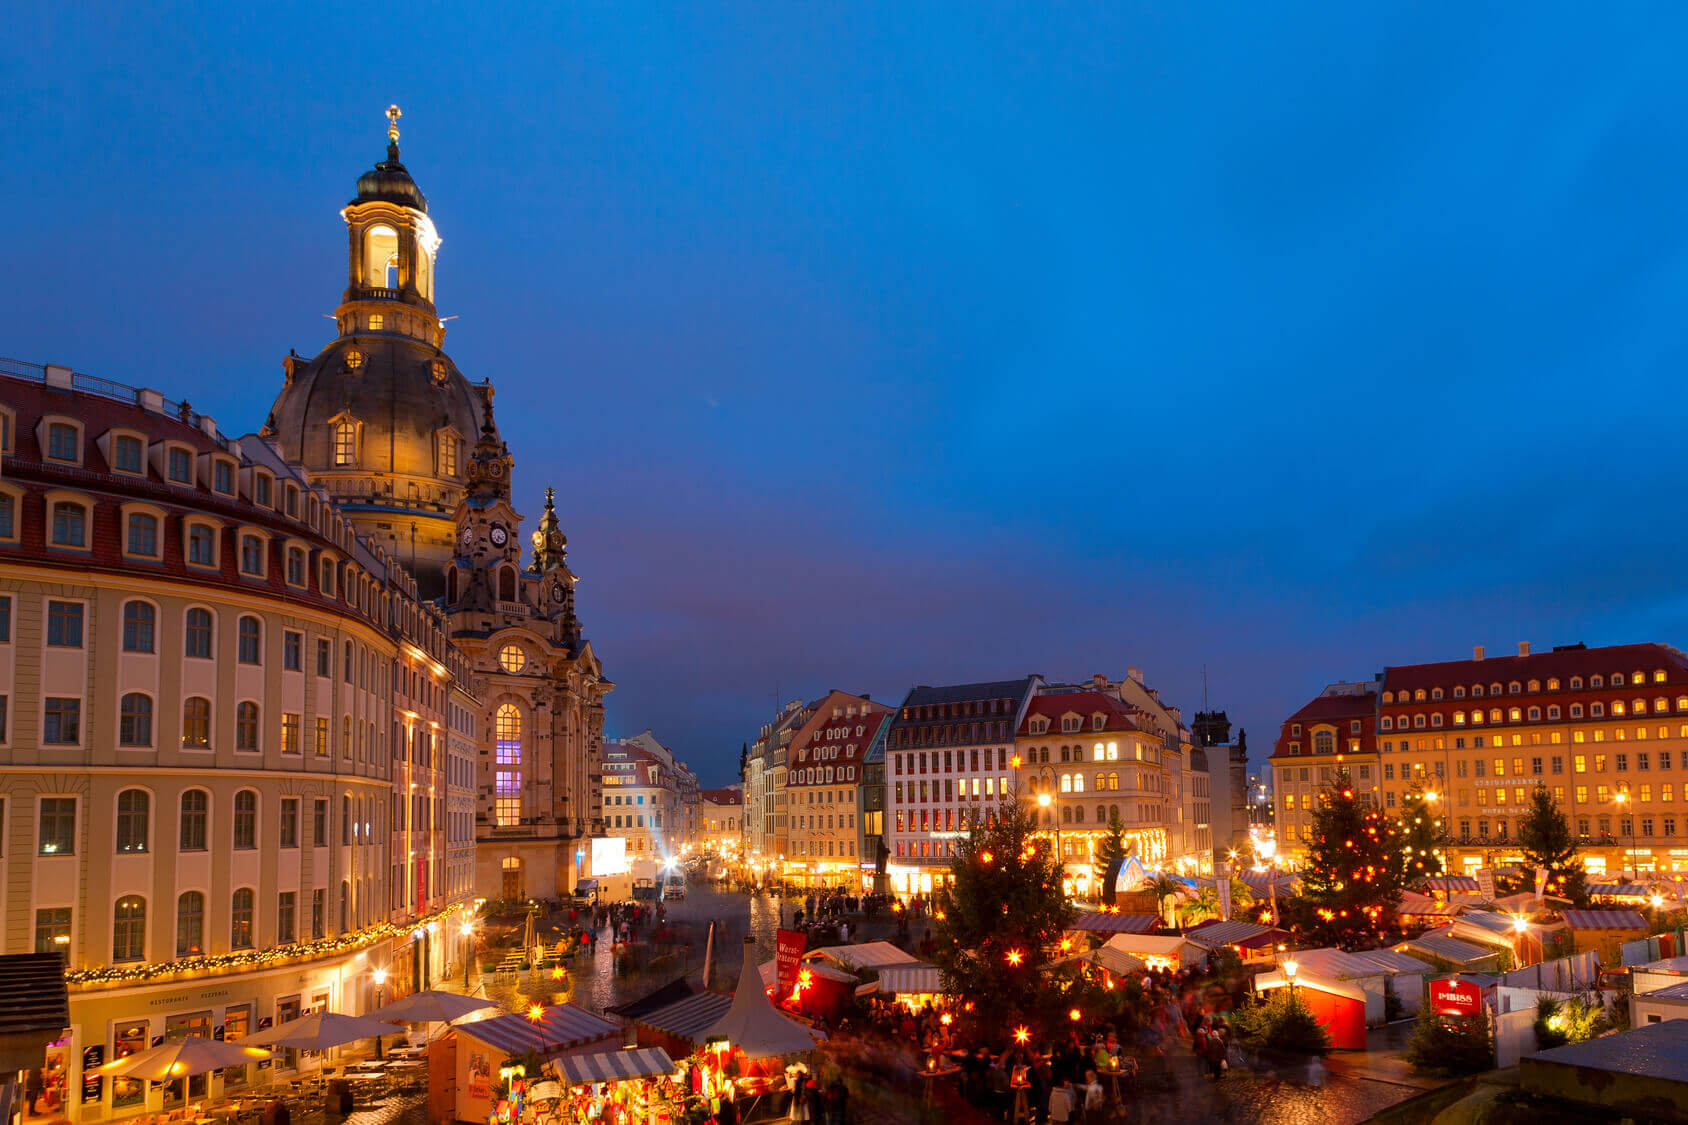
[(512, 659)]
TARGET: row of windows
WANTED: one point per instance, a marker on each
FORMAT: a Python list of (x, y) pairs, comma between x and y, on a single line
[(127, 456), (953, 761), (1516, 687), (56, 822), (1533, 714), (950, 789), (951, 733), (129, 922)]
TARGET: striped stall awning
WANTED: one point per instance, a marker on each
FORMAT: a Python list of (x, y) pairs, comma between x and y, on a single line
[(561, 1027), (614, 1066), (1604, 920), (690, 1018), (1637, 891), (913, 978), (1449, 884), (1095, 923)]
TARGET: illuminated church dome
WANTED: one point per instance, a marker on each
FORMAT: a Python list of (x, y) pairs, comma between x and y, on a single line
[(381, 416)]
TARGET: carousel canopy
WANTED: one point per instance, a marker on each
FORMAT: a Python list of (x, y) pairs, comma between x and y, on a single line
[(753, 1026), (614, 1066)]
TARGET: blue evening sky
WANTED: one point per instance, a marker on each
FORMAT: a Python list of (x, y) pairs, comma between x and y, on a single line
[(873, 344)]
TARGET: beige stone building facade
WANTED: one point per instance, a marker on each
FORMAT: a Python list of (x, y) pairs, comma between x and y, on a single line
[(199, 733)]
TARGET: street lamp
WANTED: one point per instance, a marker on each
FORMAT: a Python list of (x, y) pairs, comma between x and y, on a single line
[(380, 976), (1623, 799), (1266, 847), (1289, 975), (467, 929)]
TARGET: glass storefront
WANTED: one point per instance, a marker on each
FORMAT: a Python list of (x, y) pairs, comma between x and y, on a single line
[(181, 1026), (237, 1025), (128, 1037)]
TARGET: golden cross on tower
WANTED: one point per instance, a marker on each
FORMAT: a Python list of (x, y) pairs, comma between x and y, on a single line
[(393, 115)]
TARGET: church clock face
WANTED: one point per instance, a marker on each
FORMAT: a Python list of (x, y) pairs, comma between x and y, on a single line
[(467, 537), (499, 537), (556, 591)]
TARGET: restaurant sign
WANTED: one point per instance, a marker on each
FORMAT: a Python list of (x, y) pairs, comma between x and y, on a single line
[(1456, 997)]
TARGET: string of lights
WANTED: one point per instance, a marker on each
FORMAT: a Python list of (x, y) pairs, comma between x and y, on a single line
[(248, 959)]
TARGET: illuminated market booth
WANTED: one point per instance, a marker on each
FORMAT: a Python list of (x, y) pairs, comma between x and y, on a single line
[(753, 1054)]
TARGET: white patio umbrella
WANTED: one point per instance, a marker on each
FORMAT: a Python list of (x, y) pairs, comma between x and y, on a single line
[(320, 1031), (432, 1006), (182, 1057)]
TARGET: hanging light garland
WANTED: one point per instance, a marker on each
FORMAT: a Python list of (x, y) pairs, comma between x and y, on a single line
[(247, 960)]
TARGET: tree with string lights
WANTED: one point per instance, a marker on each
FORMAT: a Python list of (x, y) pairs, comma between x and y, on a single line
[(1421, 837), (1544, 836), (997, 923), (1351, 881)]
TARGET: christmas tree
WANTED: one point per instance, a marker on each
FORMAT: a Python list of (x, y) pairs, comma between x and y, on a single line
[(1421, 831), (1000, 919), (1546, 840), (1352, 879)]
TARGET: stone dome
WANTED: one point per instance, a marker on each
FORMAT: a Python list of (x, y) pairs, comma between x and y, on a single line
[(390, 182), (413, 421)]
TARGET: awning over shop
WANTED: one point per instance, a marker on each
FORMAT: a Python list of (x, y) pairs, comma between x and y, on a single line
[(1246, 935), (563, 1027), (1097, 923), (34, 1008), (614, 1066), (916, 978), (689, 1018), (869, 955), (1156, 949), (1604, 920)]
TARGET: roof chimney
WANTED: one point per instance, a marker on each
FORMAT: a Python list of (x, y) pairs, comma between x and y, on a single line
[(1523, 648), (1477, 652), (1135, 674)]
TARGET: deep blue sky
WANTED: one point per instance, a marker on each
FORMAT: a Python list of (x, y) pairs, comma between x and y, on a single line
[(874, 344)]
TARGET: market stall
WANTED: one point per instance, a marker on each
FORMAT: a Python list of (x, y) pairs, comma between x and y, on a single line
[(485, 1048), (753, 1049), (616, 1087)]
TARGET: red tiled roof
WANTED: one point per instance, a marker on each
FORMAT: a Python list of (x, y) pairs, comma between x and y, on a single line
[(1052, 705), (1327, 708), (727, 796), (836, 741), (1627, 659)]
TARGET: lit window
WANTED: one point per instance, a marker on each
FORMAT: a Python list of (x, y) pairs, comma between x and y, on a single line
[(345, 443), (512, 659)]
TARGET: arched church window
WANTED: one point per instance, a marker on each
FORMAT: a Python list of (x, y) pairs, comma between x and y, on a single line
[(507, 729), (345, 442), (507, 585)]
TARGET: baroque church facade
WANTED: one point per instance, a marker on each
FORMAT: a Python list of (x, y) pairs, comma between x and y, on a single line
[(409, 449)]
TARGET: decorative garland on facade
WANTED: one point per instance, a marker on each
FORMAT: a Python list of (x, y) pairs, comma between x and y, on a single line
[(247, 960)]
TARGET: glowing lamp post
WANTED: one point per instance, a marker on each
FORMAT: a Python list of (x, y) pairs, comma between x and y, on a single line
[(1266, 847), (467, 929), (1289, 975), (380, 977), (1622, 798)]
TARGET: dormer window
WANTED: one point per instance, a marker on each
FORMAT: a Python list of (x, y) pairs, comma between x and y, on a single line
[(178, 465), (64, 442), (202, 545), (128, 454), (292, 501), (1098, 721), (222, 477), (263, 489), (252, 555)]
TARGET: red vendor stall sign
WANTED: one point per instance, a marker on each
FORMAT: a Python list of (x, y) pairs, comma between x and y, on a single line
[(1456, 997), (787, 953)]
